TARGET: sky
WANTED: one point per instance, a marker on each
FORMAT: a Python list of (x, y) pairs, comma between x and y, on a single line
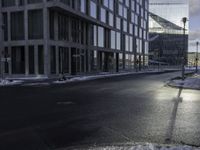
[(194, 22)]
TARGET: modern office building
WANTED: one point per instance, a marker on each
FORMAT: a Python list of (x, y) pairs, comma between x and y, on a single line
[(51, 37), (167, 42)]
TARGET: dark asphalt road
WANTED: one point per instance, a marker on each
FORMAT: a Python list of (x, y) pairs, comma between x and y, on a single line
[(134, 108)]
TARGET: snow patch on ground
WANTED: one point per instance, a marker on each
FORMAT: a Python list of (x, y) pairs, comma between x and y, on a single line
[(190, 82), (29, 78), (147, 146), (6, 82), (100, 76), (36, 84)]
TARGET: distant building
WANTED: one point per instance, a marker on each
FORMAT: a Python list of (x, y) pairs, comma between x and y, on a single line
[(166, 40), (192, 59), (52, 37)]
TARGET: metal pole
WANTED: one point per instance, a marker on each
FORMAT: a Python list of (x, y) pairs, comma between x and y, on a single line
[(197, 57), (2, 53), (2, 65)]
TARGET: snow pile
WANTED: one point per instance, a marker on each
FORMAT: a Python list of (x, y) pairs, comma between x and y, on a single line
[(6, 82), (62, 81), (37, 84), (190, 82), (30, 78), (147, 146), (191, 68)]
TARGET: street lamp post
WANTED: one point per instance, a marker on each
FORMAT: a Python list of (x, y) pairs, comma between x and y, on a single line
[(197, 57), (184, 20)]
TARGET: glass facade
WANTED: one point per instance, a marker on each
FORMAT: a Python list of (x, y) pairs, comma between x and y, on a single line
[(171, 10), (167, 42)]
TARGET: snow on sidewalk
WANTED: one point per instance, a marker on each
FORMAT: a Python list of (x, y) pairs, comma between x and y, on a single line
[(147, 146), (6, 82), (189, 83), (100, 76)]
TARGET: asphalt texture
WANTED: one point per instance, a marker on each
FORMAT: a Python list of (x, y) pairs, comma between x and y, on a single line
[(132, 108)]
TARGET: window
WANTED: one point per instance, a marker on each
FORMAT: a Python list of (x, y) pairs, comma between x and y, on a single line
[(138, 45), (118, 36), (93, 60), (125, 13), (18, 60), (136, 19), (8, 3), (127, 3), (53, 59), (136, 31), (146, 47), (133, 5), (111, 4), (113, 39), (100, 36), (21, 2), (95, 35), (40, 59), (110, 19), (103, 15), (75, 30), (126, 42), (5, 27), (132, 17), (120, 61), (118, 23), (31, 60), (125, 26), (64, 59), (63, 27), (131, 28), (120, 10), (130, 43), (17, 26), (105, 3), (93, 9), (35, 24), (82, 6), (67, 2), (138, 9), (51, 25)]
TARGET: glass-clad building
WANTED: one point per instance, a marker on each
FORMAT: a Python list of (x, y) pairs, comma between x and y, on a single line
[(167, 41), (52, 37)]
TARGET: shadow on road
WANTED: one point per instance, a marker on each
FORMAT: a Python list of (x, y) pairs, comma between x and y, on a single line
[(172, 121)]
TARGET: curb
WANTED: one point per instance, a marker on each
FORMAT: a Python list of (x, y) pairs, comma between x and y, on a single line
[(170, 84), (51, 81)]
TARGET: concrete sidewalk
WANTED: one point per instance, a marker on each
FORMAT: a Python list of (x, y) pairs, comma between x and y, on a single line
[(191, 82)]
